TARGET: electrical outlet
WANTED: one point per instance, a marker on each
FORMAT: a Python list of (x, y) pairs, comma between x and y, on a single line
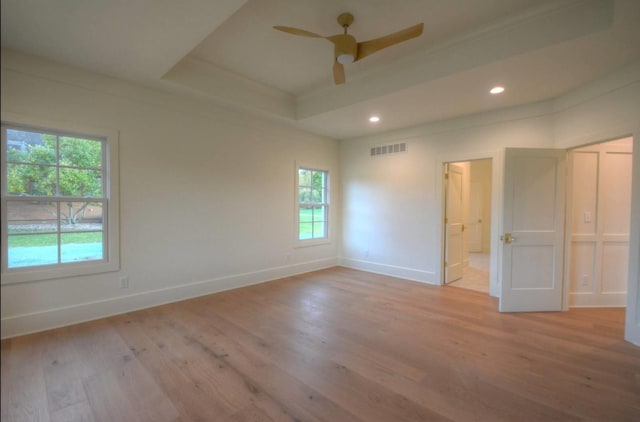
[(584, 280), (587, 217), (124, 282)]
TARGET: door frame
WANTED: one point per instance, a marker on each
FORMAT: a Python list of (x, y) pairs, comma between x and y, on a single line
[(632, 321), (497, 162)]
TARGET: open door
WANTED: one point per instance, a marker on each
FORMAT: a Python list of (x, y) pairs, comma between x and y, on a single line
[(533, 252), (473, 228), (454, 223)]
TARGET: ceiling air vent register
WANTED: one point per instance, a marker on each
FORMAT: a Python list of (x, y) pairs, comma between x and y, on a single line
[(388, 149)]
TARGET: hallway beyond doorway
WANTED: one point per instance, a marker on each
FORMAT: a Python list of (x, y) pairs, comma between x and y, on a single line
[(475, 276)]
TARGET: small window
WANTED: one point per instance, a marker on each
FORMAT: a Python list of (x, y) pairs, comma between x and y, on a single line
[(55, 204), (313, 204)]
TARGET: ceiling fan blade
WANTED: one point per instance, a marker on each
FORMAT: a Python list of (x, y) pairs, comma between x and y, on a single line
[(338, 73), (367, 48), (296, 31)]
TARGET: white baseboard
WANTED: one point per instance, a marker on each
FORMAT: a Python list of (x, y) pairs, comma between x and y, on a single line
[(603, 300), (391, 270), (17, 325)]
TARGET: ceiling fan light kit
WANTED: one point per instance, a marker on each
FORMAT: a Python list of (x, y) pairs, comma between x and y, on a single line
[(347, 50), (345, 58)]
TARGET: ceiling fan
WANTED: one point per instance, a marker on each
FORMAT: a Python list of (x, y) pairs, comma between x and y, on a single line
[(348, 50)]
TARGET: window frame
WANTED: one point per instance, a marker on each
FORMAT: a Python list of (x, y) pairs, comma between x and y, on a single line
[(327, 204), (110, 198)]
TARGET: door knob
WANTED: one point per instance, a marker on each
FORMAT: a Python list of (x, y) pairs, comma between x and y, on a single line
[(509, 238)]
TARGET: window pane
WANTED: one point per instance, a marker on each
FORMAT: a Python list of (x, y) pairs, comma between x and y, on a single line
[(29, 250), (305, 231), (28, 179), (317, 195), (304, 195), (80, 152), (81, 246), (30, 147), (306, 215), (80, 183), (80, 216), (318, 179), (318, 214), (29, 217), (304, 177), (318, 229)]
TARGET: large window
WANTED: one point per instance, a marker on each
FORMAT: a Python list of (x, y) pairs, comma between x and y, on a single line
[(313, 203), (55, 204)]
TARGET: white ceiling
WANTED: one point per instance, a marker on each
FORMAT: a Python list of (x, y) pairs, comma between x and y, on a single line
[(227, 50)]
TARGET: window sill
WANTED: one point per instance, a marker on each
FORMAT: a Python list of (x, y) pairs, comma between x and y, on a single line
[(48, 273), (312, 242)]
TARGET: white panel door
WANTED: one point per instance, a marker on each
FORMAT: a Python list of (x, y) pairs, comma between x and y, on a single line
[(454, 224), (473, 228), (534, 188)]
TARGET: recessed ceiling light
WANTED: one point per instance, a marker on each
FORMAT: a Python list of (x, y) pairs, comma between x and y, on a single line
[(374, 119), (497, 90)]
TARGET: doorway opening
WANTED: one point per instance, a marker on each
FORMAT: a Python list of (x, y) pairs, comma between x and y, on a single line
[(467, 224), (598, 227)]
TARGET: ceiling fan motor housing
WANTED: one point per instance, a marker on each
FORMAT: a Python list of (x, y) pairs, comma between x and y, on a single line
[(345, 45)]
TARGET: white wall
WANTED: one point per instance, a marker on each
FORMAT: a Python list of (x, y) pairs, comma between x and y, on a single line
[(392, 205), (206, 195)]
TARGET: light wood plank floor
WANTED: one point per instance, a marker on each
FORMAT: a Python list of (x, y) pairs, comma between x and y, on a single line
[(333, 345)]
